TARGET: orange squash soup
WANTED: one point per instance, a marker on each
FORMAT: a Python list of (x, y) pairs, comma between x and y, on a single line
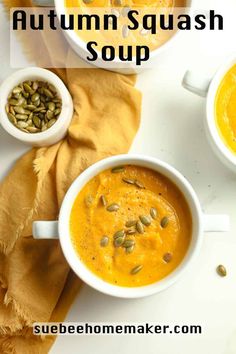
[(130, 226), (225, 109), (139, 37)]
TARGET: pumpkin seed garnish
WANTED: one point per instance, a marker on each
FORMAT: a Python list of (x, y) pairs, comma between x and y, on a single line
[(103, 200), (113, 207), (119, 241), (145, 220), (167, 257), (221, 271), (118, 234), (136, 269), (128, 243), (104, 241), (139, 184), (129, 250), (164, 222), (118, 169), (88, 200), (131, 231), (35, 102), (128, 180), (139, 227), (130, 223), (153, 213)]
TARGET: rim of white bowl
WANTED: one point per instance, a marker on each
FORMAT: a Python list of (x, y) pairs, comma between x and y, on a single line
[(217, 140), (61, 9), (81, 269), (33, 73)]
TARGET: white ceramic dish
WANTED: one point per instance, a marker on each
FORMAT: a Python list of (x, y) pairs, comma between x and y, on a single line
[(205, 87), (201, 222), (79, 47), (59, 129)]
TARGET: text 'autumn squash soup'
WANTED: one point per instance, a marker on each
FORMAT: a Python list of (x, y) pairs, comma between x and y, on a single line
[(131, 226)]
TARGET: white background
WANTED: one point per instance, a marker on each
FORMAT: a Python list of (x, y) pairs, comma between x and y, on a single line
[(172, 130)]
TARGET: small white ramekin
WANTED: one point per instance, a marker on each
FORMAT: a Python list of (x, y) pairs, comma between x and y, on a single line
[(61, 228), (205, 87), (59, 129)]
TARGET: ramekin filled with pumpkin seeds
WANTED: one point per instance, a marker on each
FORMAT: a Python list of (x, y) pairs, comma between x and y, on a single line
[(35, 106)]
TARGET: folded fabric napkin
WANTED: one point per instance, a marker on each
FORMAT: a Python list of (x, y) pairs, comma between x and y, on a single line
[(36, 283)]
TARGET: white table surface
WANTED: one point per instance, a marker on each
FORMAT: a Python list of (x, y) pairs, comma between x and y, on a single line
[(172, 130)]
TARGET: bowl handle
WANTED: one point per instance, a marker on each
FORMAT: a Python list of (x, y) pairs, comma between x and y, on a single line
[(45, 230), (196, 83), (216, 223)]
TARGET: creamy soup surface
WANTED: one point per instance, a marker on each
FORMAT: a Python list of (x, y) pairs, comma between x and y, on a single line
[(225, 109), (131, 227), (138, 37)]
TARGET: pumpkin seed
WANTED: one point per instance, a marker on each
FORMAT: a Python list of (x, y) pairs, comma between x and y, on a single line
[(119, 241), (21, 110), (104, 241), (136, 269), (51, 123), (167, 257), (51, 106), (113, 207), (130, 223), (17, 89), (13, 101), (164, 222), (88, 200), (118, 234), (12, 118), (139, 227), (131, 231), (145, 220), (128, 243), (125, 11), (139, 184), (128, 180), (103, 200), (125, 31), (87, 1), (32, 129), (129, 250), (118, 169), (118, 2), (57, 111), (22, 124), (35, 97), (49, 115), (48, 93), (37, 122), (35, 86), (28, 89), (21, 116), (7, 107), (153, 213), (221, 270)]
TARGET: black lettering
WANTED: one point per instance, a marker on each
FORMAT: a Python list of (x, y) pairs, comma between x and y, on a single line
[(133, 20), (19, 17), (185, 24), (110, 22), (94, 53), (39, 25), (214, 17), (70, 24), (150, 23), (142, 57), (200, 23), (88, 22), (164, 25), (52, 16)]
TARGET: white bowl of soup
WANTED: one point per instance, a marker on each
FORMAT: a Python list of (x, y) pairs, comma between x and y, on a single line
[(157, 44), (130, 226)]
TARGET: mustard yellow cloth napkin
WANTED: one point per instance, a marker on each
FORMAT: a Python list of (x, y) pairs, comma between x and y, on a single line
[(36, 283)]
